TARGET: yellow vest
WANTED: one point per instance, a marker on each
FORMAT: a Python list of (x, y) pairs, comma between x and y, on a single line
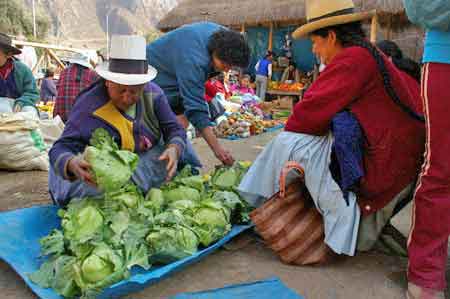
[(110, 114)]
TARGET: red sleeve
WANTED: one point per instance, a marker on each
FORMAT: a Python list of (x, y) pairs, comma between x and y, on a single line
[(338, 85)]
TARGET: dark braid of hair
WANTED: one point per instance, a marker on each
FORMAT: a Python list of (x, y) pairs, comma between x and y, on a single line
[(352, 34)]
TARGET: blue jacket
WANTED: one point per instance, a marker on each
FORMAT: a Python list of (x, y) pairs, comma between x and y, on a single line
[(183, 63), (435, 17), (154, 119), (263, 67)]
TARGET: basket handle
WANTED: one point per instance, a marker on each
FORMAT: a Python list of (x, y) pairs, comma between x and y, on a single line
[(290, 165)]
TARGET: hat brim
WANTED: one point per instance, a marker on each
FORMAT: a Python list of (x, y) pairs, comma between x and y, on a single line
[(126, 79), (10, 49), (306, 29), (81, 62)]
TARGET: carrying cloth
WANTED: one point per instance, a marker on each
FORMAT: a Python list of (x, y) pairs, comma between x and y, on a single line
[(265, 289), (20, 231)]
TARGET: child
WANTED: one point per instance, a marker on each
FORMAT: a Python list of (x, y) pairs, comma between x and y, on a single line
[(243, 87)]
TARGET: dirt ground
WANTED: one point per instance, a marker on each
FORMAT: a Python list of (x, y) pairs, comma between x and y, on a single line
[(370, 275)]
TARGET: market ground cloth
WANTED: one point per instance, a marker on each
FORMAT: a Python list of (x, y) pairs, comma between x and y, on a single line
[(264, 289), (20, 231)]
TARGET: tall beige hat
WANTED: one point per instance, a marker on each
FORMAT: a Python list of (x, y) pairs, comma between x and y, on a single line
[(326, 13)]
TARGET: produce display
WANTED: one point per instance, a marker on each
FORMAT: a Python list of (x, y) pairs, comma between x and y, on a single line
[(102, 238), (46, 107), (295, 87), (243, 125)]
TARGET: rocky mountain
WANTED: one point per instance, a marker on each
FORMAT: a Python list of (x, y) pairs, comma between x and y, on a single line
[(84, 22)]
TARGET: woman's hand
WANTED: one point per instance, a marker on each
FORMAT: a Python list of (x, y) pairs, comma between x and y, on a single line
[(224, 156), (81, 169), (17, 108), (171, 155)]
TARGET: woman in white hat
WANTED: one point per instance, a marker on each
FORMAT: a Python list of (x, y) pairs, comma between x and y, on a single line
[(136, 114), (362, 117)]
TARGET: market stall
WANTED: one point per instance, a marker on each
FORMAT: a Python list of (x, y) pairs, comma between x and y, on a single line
[(281, 90)]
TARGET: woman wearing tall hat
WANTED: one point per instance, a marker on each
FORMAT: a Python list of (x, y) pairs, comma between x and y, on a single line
[(358, 132), (136, 114), (18, 90)]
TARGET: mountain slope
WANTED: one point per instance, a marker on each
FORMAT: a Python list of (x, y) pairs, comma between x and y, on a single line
[(83, 22)]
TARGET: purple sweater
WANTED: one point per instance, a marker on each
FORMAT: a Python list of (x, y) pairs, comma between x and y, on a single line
[(82, 123), (48, 90)]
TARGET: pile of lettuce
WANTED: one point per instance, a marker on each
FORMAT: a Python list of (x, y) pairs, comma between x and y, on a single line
[(102, 238)]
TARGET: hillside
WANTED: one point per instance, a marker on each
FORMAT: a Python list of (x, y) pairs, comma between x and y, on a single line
[(83, 22)]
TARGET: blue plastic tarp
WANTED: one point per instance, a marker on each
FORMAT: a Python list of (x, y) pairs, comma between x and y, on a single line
[(20, 231), (265, 289)]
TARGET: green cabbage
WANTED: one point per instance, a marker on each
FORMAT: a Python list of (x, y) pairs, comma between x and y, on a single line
[(155, 200), (171, 243), (230, 199), (112, 168), (183, 204), (82, 221), (181, 193), (102, 267), (128, 195), (95, 268), (103, 238), (225, 178), (211, 221), (195, 182)]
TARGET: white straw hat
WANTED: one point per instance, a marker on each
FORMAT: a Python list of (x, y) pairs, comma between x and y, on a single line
[(128, 63)]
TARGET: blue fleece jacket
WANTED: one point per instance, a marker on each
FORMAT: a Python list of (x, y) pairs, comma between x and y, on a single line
[(183, 63)]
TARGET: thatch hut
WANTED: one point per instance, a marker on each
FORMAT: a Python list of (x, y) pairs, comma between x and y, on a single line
[(235, 13), (245, 14)]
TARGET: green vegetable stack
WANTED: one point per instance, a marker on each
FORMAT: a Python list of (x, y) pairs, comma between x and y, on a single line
[(102, 238)]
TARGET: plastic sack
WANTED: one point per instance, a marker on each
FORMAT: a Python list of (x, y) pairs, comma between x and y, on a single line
[(21, 144), (51, 130)]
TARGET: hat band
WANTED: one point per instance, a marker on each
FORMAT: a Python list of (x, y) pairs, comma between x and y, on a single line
[(346, 11), (128, 66)]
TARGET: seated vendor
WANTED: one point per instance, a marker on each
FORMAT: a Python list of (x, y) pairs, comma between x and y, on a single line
[(291, 74), (136, 114), (361, 111), (18, 90), (243, 87)]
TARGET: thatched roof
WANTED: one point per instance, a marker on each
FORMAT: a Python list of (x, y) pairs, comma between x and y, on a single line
[(251, 12)]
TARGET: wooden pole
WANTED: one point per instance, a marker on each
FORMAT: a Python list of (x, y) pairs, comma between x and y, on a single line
[(388, 31), (54, 57), (243, 28), (373, 29), (270, 47), (36, 66), (48, 46)]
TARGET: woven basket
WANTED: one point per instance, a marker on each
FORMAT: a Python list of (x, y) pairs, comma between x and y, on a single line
[(291, 225)]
